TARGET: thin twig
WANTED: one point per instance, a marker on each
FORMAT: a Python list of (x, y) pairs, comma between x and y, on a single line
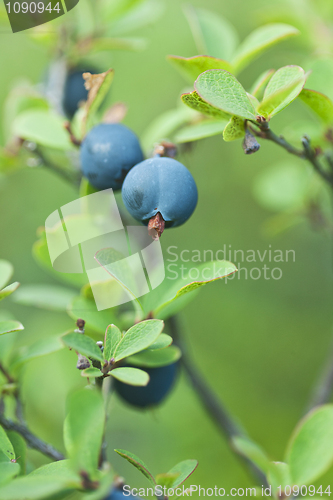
[(33, 441), (68, 176), (215, 408)]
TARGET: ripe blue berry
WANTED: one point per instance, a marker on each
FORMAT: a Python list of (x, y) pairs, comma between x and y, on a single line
[(160, 383), (108, 152), (116, 494), (162, 186), (75, 91)]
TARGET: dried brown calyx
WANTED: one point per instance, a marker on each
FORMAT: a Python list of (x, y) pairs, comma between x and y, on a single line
[(80, 324), (156, 226), (165, 148)]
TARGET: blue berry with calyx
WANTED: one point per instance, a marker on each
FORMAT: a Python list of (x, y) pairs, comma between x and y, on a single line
[(75, 91), (161, 193), (160, 383), (108, 153)]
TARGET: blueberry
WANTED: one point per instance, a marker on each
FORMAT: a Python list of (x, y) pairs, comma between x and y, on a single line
[(162, 186), (108, 152), (75, 91), (116, 494), (160, 383)]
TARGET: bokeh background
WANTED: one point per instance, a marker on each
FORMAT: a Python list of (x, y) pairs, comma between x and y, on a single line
[(260, 343)]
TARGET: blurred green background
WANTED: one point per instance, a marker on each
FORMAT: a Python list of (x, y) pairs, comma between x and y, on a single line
[(259, 343)]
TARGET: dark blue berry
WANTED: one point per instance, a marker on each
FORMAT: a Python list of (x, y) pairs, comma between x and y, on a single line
[(116, 494), (108, 152), (160, 185), (159, 385), (75, 91)]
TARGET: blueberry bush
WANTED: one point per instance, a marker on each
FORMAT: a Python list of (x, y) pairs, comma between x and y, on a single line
[(138, 349)]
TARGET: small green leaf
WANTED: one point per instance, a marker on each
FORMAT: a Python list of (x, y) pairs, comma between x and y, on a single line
[(319, 103), (5, 292), (10, 326), (235, 129), (130, 376), (34, 488), (205, 273), (6, 272), (20, 449), (155, 359), (191, 67), (62, 469), (278, 475), (98, 86), (184, 469), (43, 127), (5, 445), (84, 345), (139, 337), (194, 101), (52, 297), (91, 372), (214, 35), (8, 470), (223, 91), (40, 348), (166, 480), (112, 338), (257, 89), (82, 307), (310, 449), (138, 463), (252, 451), (282, 89), (84, 429), (201, 130), (162, 342), (260, 40)]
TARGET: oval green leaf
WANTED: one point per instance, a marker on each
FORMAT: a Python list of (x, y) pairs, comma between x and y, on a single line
[(131, 376), (139, 337), (83, 344), (52, 297), (319, 103), (194, 101), (155, 359), (191, 67)]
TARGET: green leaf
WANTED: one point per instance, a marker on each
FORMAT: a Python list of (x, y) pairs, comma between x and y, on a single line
[(223, 91), (201, 130), (84, 429), (20, 449), (191, 67), (214, 35), (165, 125), (257, 89), (138, 463), (166, 479), (319, 103), (82, 307), (184, 470), (206, 273), (91, 372), (112, 338), (5, 445), (98, 86), (5, 292), (10, 326), (252, 451), (40, 348), (131, 376), (235, 129), (155, 359), (310, 449), (194, 101), (139, 337), (52, 297), (62, 469), (284, 86), (43, 127), (84, 345), (6, 272), (162, 342), (8, 470), (278, 475), (33, 488), (260, 40)]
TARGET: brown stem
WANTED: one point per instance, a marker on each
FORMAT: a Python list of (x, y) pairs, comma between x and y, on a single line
[(156, 226)]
